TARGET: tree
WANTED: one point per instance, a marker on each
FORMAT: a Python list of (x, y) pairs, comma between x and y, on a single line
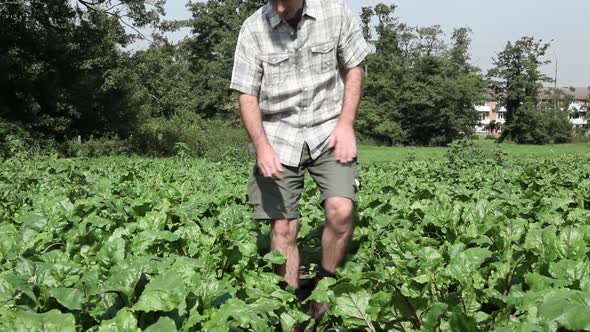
[(419, 91), (516, 82), (61, 67), (164, 79), (215, 26)]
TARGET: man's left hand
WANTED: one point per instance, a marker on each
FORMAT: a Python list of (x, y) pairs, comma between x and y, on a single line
[(344, 143)]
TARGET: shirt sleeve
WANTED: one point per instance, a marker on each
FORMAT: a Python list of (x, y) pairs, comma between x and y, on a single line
[(352, 47), (247, 71)]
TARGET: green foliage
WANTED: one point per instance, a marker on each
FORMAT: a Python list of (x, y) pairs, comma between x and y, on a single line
[(418, 90), (532, 125), (215, 25), (14, 140), (191, 135), (95, 147), (164, 81), (516, 82), (17, 142), (61, 68), (467, 153), (476, 241)]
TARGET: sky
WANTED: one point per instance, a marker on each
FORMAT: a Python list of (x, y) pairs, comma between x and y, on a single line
[(564, 23)]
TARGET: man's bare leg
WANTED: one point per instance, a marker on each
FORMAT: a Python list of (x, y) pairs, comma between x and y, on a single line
[(335, 239), (337, 232), (284, 239)]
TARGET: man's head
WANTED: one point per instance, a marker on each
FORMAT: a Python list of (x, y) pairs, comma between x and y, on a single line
[(287, 9)]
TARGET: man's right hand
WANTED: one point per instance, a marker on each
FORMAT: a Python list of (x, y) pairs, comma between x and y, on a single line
[(268, 162)]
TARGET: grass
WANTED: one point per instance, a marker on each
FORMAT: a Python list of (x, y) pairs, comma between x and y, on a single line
[(377, 153)]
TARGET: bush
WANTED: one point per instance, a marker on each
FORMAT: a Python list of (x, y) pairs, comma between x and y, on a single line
[(16, 141), (13, 139), (190, 136), (537, 126), (474, 137), (581, 138), (95, 147), (467, 153)]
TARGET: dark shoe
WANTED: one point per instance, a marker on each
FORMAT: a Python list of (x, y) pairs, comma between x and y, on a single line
[(298, 328), (318, 309)]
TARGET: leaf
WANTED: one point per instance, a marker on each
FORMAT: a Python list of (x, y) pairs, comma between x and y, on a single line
[(275, 257), (289, 319), (539, 282), (430, 258), (147, 238), (125, 321), (571, 244), (164, 324), (248, 249), (353, 308), (165, 292), (70, 298), (111, 253), (431, 319), (20, 285), (52, 321), (32, 230), (569, 270), (567, 313), (459, 321), (123, 280), (543, 242), (464, 266), (322, 292), (241, 313)]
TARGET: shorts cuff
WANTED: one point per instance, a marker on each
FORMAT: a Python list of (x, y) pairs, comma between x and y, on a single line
[(327, 195), (273, 216)]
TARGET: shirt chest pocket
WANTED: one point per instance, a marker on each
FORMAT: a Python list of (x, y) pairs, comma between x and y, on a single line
[(275, 67), (323, 57)]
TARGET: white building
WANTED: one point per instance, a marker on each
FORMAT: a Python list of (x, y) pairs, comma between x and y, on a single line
[(577, 106), (491, 119), (577, 103)]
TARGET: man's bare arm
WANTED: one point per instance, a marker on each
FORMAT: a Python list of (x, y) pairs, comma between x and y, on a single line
[(267, 160), (343, 138)]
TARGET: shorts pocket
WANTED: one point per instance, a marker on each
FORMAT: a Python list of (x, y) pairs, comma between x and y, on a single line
[(275, 67)]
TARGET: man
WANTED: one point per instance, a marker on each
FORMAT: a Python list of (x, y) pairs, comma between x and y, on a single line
[(298, 70)]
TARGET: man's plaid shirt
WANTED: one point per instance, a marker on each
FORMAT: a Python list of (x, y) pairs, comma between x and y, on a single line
[(296, 73)]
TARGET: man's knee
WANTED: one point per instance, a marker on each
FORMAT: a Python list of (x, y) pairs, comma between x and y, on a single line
[(284, 230), (339, 212)]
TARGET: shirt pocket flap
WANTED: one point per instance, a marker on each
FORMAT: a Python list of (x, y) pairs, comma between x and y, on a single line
[(324, 47), (274, 58)]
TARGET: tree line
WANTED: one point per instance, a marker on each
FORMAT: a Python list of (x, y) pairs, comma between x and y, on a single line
[(68, 82)]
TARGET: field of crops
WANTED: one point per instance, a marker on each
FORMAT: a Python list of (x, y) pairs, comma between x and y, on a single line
[(474, 241)]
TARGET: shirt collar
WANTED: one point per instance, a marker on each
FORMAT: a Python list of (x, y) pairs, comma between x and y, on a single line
[(275, 19)]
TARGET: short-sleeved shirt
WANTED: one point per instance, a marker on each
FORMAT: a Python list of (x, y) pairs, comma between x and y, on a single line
[(297, 72)]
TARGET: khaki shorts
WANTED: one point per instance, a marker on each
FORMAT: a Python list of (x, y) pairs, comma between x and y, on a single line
[(279, 199)]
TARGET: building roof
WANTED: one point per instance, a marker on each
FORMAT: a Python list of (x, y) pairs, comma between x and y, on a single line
[(575, 93)]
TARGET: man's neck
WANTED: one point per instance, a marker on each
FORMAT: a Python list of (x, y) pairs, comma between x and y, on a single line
[(295, 21)]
